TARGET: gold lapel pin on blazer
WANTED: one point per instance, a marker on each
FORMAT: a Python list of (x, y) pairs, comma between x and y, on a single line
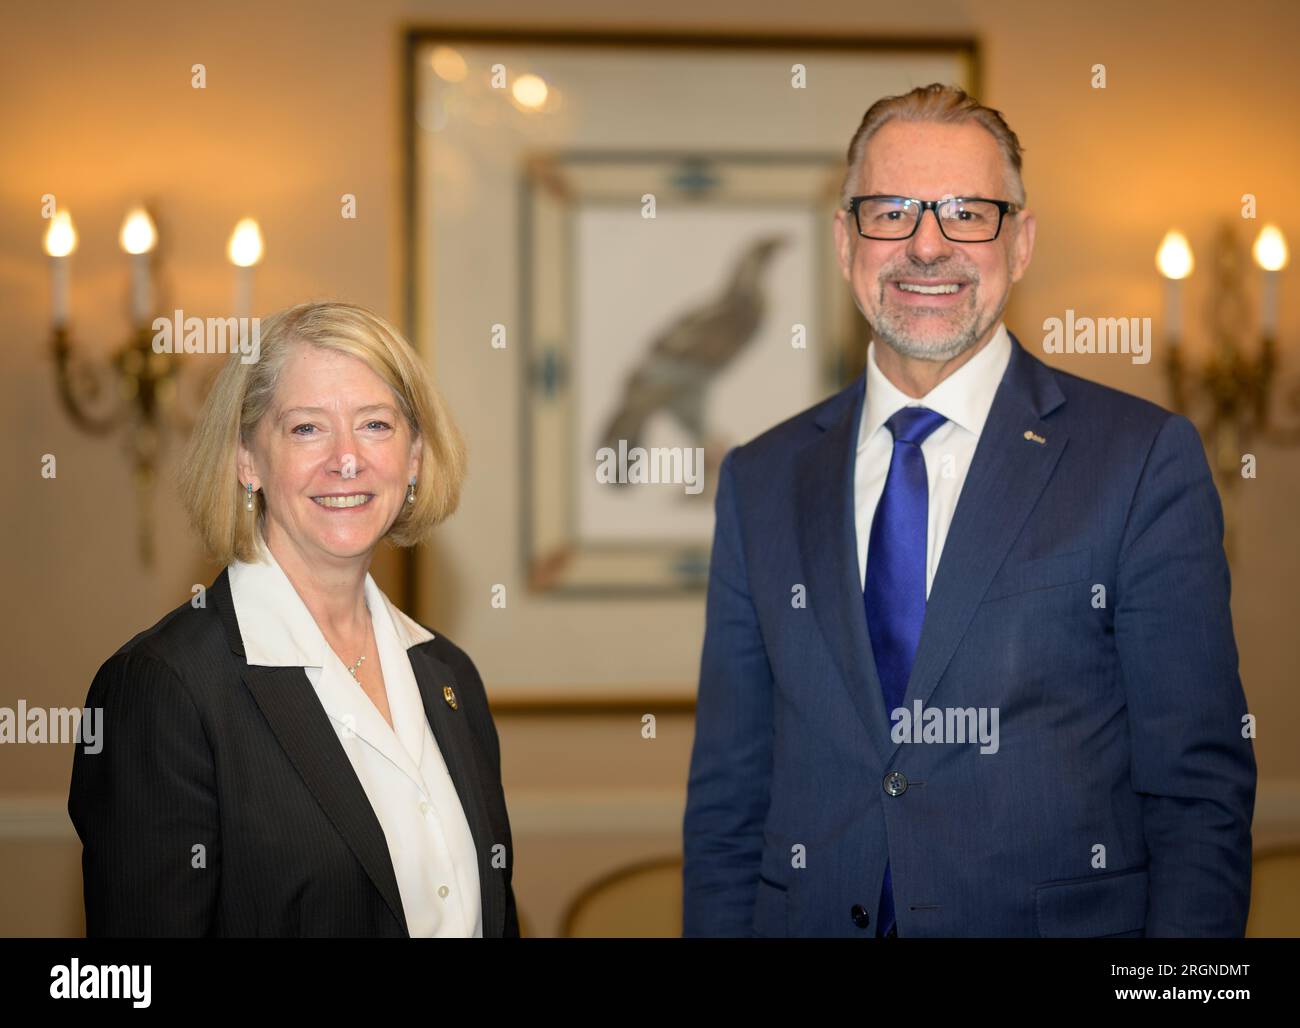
[(1036, 438), (449, 695)]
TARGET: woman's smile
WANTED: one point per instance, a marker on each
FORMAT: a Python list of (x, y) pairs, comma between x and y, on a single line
[(343, 501)]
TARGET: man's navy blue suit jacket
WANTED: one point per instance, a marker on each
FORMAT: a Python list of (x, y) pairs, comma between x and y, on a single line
[(1120, 798)]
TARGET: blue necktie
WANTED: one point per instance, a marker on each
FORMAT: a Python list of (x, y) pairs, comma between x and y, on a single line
[(894, 594)]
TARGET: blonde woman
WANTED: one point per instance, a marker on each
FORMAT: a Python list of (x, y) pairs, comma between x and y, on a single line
[(295, 756)]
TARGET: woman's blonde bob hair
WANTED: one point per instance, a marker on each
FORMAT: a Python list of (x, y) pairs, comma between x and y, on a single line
[(244, 393)]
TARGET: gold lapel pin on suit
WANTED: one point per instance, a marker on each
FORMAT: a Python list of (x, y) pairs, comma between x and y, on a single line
[(1036, 438), (449, 695)]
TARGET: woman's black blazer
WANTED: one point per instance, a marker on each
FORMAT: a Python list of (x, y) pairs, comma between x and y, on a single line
[(222, 803)]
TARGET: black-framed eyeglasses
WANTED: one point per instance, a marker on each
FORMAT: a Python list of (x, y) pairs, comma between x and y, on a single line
[(962, 219)]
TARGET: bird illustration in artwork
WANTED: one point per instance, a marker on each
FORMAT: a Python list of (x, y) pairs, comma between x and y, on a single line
[(683, 360)]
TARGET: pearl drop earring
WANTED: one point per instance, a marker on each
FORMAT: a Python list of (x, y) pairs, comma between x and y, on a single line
[(248, 500)]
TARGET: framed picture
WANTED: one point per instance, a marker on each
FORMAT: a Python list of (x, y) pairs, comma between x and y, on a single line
[(669, 301), (620, 265)]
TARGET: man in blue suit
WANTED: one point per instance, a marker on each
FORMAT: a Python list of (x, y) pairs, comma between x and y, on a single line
[(1018, 714)]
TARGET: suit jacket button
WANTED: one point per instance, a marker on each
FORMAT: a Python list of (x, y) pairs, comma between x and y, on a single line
[(895, 783), (860, 916)]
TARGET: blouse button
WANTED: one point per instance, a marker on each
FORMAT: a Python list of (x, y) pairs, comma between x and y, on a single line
[(424, 807), (443, 890)]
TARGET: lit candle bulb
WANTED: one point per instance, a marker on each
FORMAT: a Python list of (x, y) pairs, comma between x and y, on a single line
[(60, 242), (1174, 259), (244, 250), (1271, 255), (138, 238)]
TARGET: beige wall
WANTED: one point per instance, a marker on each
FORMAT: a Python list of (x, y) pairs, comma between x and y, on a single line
[(302, 106)]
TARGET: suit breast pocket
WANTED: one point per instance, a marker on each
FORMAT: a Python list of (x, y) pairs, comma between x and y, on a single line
[(1040, 573)]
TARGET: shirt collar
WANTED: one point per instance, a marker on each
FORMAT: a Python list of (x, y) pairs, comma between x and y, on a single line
[(964, 397), (278, 629)]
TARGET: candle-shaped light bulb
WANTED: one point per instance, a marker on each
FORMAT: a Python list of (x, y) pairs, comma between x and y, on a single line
[(60, 242), (245, 248), (245, 251), (138, 235), (1175, 262), (138, 238), (1271, 255), (1174, 258), (61, 236), (1270, 250)]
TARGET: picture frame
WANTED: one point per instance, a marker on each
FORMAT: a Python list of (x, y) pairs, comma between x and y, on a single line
[(527, 280)]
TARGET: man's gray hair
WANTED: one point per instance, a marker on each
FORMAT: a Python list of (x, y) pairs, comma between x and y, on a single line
[(939, 103)]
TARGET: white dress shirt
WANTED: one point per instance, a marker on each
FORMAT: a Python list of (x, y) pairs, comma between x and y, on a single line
[(401, 768), (964, 398)]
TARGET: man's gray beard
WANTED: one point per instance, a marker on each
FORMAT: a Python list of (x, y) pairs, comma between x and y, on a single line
[(941, 350), (948, 350)]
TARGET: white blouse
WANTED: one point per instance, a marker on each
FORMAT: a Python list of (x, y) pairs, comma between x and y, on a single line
[(401, 768)]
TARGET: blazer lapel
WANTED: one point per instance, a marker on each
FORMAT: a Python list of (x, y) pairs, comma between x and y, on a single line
[(455, 740), (828, 545), (1007, 474), (291, 707)]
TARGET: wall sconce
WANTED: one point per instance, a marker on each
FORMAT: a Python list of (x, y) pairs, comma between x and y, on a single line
[(136, 387), (1233, 388)]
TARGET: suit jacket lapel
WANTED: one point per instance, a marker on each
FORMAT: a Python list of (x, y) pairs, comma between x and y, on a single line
[(1007, 474), (292, 709), (828, 545), (455, 739)]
